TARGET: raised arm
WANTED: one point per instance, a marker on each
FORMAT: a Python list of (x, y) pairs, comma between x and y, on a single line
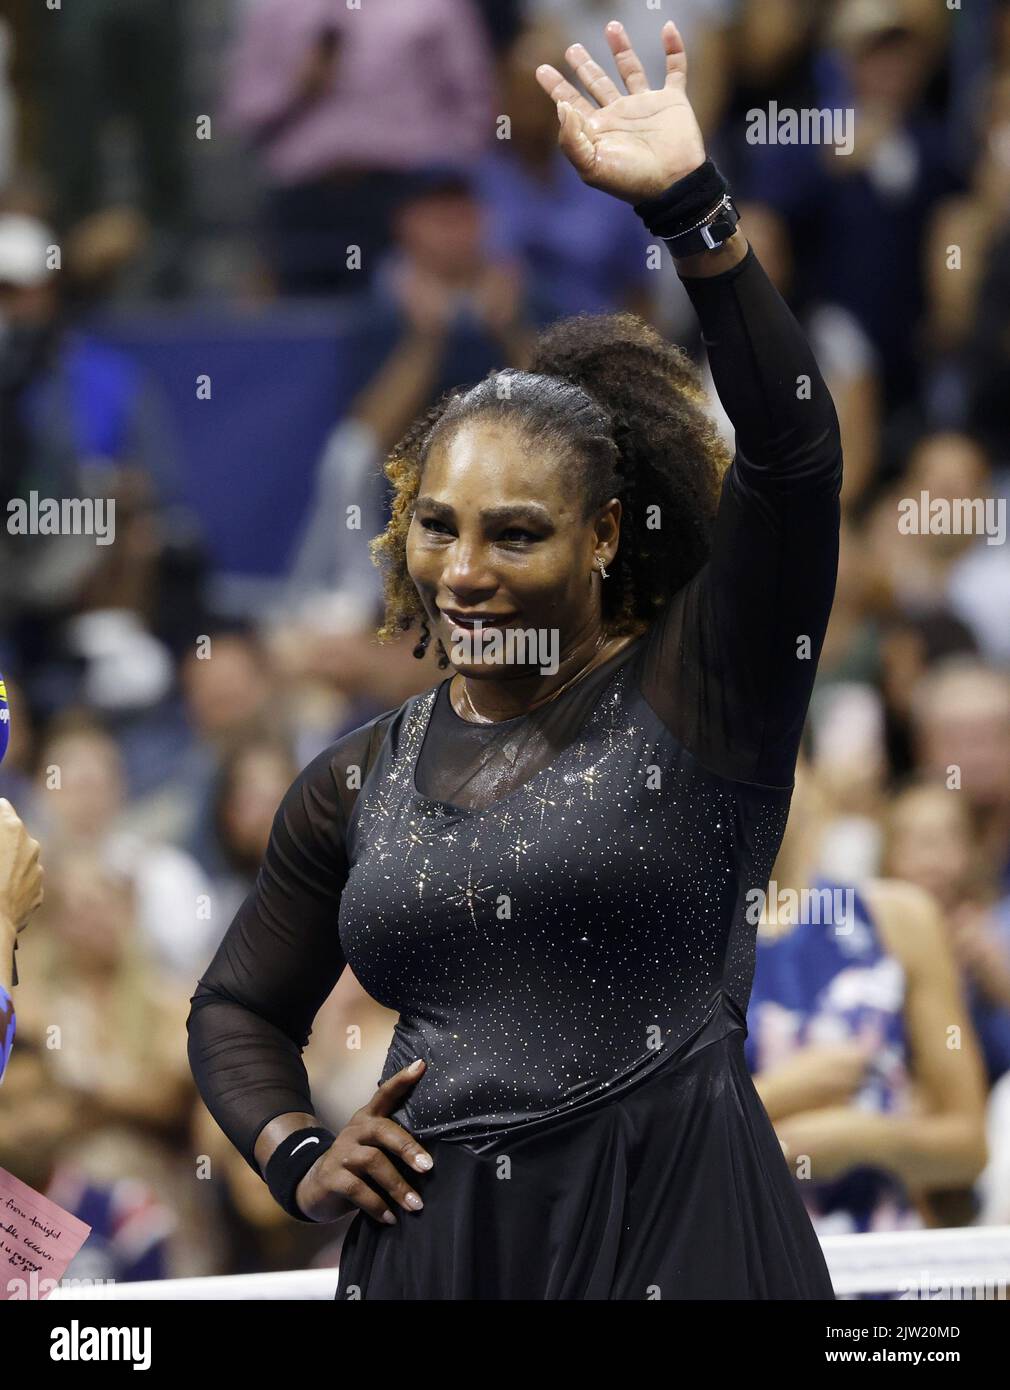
[(731, 664)]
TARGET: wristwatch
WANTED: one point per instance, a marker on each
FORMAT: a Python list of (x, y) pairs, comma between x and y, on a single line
[(714, 228)]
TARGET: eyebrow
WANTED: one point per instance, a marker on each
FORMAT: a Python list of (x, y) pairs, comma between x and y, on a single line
[(519, 511)]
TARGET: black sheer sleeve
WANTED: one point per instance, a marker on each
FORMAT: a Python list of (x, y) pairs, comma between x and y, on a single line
[(730, 664), (254, 1006)]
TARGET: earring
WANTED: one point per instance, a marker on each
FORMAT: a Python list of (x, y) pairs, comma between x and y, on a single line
[(603, 572), (422, 645)]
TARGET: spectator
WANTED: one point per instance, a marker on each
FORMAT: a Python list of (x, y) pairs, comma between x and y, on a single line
[(80, 804), (109, 1017), (929, 842), (97, 63), (305, 90), (883, 191), (948, 552), (251, 785), (44, 1124), (578, 257), (847, 1040), (961, 734)]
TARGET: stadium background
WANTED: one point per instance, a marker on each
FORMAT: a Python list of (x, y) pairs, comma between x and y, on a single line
[(211, 355)]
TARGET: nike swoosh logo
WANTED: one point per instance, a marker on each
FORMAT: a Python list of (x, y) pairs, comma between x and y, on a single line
[(312, 1139)]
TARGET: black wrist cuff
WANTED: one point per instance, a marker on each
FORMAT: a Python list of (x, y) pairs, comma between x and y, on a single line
[(290, 1161), (684, 203)]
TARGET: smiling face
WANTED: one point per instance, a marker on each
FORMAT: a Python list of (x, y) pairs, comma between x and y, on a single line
[(498, 533)]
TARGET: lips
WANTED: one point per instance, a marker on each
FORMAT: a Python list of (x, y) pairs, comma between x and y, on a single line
[(470, 621)]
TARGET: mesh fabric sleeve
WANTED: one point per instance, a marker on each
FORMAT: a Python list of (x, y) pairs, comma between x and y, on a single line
[(730, 663), (252, 1012)]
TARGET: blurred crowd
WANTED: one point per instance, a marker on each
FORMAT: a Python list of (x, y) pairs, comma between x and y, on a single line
[(398, 162)]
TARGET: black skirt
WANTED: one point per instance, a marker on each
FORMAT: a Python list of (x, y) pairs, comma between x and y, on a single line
[(677, 1189)]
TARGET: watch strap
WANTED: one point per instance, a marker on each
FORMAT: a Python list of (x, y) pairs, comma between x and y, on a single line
[(696, 213)]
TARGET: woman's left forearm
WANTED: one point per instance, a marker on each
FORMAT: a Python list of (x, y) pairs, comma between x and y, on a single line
[(764, 369), (707, 263)]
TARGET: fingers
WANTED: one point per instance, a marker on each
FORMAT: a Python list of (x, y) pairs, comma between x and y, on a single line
[(628, 63), (591, 75), (373, 1165), (574, 140), (676, 58), (558, 88), (389, 1093), (356, 1191), (376, 1128), (398, 1141)]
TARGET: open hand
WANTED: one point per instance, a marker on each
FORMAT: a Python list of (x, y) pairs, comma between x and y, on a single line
[(632, 146)]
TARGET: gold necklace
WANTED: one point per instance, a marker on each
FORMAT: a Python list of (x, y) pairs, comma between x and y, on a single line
[(482, 719)]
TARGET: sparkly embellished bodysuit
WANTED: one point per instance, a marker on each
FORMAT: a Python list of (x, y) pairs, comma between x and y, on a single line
[(556, 906)]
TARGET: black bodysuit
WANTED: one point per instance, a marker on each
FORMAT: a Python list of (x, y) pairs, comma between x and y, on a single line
[(556, 906)]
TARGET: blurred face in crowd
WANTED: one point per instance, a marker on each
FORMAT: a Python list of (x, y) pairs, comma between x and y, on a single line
[(525, 568), (965, 722), (928, 841), (891, 69), (947, 466), (90, 794), (440, 233), (258, 781), (94, 913), (533, 121), (228, 689), (37, 1117)]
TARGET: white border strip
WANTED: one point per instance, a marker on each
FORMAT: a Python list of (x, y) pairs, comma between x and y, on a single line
[(886, 1262)]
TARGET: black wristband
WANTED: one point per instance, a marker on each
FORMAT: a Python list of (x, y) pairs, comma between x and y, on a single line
[(290, 1161), (681, 206)]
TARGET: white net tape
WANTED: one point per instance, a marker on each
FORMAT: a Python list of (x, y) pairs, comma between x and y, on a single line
[(965, 1263)]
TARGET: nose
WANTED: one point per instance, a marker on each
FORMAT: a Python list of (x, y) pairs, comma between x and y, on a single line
[(466, 573)]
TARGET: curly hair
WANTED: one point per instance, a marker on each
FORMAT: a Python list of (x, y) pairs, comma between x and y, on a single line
[(624, 411)]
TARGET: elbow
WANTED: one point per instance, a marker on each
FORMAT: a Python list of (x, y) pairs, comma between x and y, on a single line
[(976, 1152), (968, 1155), (203, 995)]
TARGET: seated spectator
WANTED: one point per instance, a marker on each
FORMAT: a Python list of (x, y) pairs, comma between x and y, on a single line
[(250, 786), (929, 841), (80, 805), (117, 1016), (910, 645), (854, 995), (947, 553), (960, 716)]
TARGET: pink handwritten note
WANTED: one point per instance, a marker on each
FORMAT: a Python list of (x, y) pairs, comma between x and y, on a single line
[(38, 1239)]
